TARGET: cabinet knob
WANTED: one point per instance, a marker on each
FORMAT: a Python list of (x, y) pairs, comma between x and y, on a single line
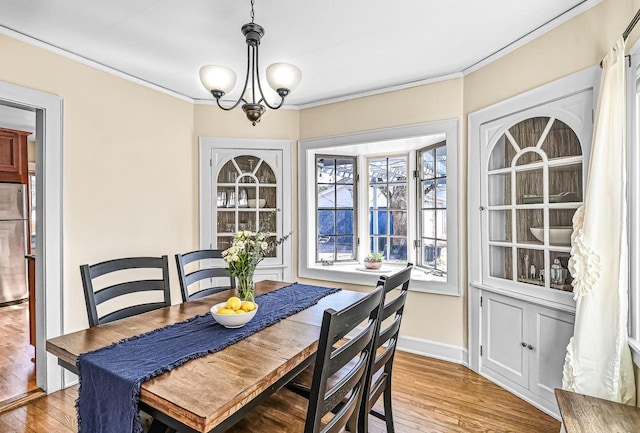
[(530, 347), (523, 344), (482, 208)]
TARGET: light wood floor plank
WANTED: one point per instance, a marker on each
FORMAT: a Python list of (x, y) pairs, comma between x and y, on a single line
[(17, 371), (430, 396)]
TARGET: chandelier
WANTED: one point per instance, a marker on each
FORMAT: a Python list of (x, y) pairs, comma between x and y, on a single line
[(282, 77)]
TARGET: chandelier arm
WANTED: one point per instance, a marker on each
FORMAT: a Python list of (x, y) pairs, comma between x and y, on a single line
[(264, 99), (246, 80)]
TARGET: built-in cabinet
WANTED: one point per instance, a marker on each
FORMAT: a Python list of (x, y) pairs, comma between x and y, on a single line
[(523, 344), (528, 162), (13, 156), (247, 187)]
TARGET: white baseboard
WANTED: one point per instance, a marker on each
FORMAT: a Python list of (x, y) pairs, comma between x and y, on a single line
[(433, 349)]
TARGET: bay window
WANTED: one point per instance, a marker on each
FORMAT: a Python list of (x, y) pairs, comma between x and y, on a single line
[(404, 206)]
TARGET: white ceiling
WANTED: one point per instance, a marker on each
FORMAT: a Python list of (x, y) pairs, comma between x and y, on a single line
[(343, 47)]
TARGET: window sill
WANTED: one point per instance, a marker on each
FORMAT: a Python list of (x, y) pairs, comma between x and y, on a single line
[(354, 273)]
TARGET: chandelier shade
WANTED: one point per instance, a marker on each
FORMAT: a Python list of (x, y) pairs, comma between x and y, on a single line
[(282, 78), (218, 78)]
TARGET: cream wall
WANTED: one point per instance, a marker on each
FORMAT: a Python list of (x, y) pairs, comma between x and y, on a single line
[(128, 165)]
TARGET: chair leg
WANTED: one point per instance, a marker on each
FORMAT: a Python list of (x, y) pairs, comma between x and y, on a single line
[(388, 412)]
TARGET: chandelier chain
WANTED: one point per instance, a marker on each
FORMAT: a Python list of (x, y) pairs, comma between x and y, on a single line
[(252, 15)]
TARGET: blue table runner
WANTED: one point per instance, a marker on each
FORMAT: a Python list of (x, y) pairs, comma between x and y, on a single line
[(110, 377)]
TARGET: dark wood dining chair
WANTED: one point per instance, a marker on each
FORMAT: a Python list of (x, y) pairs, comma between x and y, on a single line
[(204, 272), (379, 380), (379, 376), (94, 297), (287, 411)]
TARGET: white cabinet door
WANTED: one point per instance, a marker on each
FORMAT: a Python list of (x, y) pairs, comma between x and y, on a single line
[(549, 335), (503, 332)]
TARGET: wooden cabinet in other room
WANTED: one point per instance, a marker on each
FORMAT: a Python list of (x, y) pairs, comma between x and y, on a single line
[(13, 156)]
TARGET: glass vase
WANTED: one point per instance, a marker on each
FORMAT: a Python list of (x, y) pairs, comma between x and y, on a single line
[(245, 287)]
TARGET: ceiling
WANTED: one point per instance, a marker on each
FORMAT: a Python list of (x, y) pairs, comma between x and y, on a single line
[(342, 47)]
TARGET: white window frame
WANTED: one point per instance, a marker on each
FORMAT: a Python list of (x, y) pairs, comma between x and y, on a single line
[(633, 198), (343, 145)]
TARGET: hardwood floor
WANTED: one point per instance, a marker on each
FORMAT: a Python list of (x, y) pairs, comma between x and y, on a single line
[(17, 371), (429, 396)]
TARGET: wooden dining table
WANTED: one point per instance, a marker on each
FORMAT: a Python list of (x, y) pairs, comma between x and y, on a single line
[(211, 393)]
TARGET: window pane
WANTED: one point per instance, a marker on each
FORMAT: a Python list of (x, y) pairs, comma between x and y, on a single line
[(325, 247), (326, 222), (428, 164), (326, 196), (441, 193), (398, 197), (428, 194), (325, 169), (344, 222), (344, 196), (429, 253), (441, 161), (397, 169), (429, 223), (441, 256), (398, 249), (378, 245), (344, 170), (378, 171), (377, 197), (441, 224), (378, 223), (346, 247), (398, 225)]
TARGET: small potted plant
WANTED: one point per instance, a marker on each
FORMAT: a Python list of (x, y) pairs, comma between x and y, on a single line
[(373, 261)]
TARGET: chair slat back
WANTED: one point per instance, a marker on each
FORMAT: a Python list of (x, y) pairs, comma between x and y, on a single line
[(346, 393), (94, 298), (204, 272)]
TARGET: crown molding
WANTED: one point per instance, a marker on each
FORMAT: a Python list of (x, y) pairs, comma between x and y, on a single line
[(88, 62), (549, 25)]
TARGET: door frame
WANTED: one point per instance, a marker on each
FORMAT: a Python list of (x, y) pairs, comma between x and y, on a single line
[(49, 247)]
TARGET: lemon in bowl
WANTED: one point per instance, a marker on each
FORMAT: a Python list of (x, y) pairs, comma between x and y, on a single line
[(234, 313)]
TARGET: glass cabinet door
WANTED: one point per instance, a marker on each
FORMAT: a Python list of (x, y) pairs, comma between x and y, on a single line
[(534, 185), (246, 199)]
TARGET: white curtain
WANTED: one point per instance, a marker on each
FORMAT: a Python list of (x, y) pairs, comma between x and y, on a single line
[(598, 360)]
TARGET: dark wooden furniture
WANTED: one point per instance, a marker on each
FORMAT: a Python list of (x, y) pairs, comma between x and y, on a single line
[(14, 166), (323, 414), (93, 297), (585, 414), (212, 392), (379, 381), (385, 344), (203, 273)]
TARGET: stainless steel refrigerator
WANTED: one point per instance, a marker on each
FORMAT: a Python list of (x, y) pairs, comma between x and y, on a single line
[(13, 242)]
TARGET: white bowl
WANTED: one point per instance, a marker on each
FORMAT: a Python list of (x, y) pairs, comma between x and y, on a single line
[(232, 320), (261, 202), (558, 235)]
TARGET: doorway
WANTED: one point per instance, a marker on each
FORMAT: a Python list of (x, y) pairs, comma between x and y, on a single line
[(48, 247), (17, 257)]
